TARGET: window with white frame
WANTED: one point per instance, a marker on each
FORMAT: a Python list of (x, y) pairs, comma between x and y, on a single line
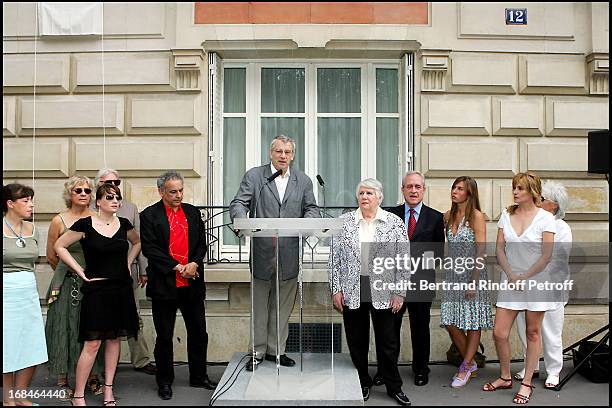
[(344, 118)]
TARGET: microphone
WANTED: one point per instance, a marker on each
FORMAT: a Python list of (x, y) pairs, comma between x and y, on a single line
[(322, 184), (320, 180), (275, 175)]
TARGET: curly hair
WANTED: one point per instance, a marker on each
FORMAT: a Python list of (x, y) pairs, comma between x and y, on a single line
[(555, 192), (70, 184)]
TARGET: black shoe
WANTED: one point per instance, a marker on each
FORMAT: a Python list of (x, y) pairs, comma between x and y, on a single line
[(421, 379), (250, 366), (164, 391), (147, 369), (401, 398), (205, 383), (378, 380), (365, 391), (284, 360)]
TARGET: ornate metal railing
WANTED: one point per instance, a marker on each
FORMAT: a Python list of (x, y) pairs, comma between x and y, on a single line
[(216, 225)]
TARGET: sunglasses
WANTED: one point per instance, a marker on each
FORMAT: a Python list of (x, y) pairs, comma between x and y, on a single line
[(111, 197), (79, 190), (115, 182)]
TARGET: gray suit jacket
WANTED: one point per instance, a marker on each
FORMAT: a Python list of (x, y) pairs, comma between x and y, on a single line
[(298, 202)]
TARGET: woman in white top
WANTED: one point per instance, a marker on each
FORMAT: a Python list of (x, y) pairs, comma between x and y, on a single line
[(524, 247), (555, 201)]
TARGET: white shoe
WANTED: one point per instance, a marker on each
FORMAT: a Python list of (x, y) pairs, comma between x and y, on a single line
[(521, 374), (551, 381)]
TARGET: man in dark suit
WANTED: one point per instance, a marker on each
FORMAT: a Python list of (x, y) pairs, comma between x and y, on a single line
[(425, 228), (174, 242)]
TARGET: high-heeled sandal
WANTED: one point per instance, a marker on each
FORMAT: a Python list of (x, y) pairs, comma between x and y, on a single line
[(111, 403), (74, 397), (523, 399), (68, 392), (490, 387), (94, 386)]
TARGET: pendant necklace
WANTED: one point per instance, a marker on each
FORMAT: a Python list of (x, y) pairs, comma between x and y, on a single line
[(21, 243), (103, 220)]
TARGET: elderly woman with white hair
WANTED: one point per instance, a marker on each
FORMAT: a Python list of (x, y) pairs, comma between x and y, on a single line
[(555, 201), (360, 292)]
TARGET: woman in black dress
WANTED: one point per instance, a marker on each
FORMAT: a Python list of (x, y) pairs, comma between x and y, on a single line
[(108, 309)]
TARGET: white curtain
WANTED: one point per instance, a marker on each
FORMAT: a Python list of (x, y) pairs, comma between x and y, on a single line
[(234, 90), (339, 138), (234, 140), (388, 166), (234, 166), (283, 92), (70, 18), (339, 159), (338, 90)]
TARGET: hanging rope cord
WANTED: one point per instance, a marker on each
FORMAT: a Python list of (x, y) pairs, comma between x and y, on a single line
[(103, 94), (34, 99), (34, 104)]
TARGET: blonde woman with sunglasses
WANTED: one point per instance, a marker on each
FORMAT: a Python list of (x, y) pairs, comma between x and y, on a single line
[(64, 293)]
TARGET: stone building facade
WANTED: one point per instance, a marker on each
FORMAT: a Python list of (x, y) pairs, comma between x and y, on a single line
[(448, 89)]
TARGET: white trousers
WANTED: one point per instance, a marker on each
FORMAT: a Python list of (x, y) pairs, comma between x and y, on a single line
[(552, 329)]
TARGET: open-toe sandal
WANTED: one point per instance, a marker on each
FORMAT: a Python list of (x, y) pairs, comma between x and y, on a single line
[(110, 403), (67, 393), (551, 382), (523, 399), (490, 387), (94, 386)]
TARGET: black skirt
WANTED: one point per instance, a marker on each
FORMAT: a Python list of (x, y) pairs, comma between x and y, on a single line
[(108, 310)]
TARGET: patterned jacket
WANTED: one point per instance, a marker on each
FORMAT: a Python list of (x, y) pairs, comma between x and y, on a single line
[(344, 265)]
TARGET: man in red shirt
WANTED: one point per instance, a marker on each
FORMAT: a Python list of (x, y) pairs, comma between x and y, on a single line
[(174, 242)]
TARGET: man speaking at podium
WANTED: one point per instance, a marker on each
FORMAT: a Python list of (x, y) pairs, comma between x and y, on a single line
[(274, 190)]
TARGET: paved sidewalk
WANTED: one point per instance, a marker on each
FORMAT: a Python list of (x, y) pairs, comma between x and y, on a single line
[(138, 389)]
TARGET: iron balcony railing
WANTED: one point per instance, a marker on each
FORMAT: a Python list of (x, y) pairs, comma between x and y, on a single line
[(216, 224)]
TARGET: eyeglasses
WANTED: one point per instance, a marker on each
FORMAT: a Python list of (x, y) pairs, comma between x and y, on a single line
[(111, 197), (287, 152), (115, 182), (79, 190)]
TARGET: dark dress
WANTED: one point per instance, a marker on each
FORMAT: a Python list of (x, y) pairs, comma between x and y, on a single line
[(108, 308)]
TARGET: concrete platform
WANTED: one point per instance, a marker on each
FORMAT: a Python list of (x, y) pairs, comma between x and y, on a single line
[(315, 384)]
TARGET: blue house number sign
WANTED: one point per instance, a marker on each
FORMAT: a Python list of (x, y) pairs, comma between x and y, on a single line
[(516, 16)]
